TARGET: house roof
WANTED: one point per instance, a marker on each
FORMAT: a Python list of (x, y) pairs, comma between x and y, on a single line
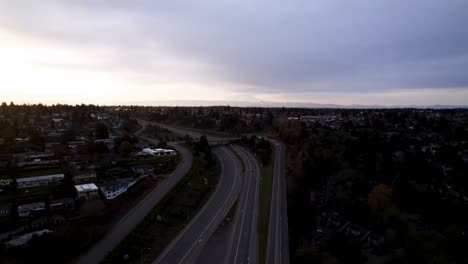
[(86, 187), (38, 178), (116, 185), (31, 206)]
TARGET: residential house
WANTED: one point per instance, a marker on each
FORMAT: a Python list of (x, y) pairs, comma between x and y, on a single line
[(84, 176), (87, 191), (144, 169), (24, 239), (5, 182), (39, 156), (76, 144), (37, 163), (39, 181), (159, 151), (112, 189), (64, 203), (109, 142), (26, 210), (5, 210)]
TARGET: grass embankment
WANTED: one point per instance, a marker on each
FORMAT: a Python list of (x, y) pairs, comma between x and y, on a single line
[(171, 214), (266, 190)]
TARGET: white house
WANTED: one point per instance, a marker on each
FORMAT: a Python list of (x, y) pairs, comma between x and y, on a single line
[(26, 209), (112, 189), (39, 181), (159, 151), (87, 191), (144, 169)]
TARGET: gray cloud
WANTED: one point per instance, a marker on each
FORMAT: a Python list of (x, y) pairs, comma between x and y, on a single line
[(271, 46)]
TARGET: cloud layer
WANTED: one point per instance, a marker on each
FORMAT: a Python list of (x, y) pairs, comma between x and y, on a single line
[(250, 50)]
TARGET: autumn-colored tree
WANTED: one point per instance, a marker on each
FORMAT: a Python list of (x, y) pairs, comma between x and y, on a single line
[(381, 205)]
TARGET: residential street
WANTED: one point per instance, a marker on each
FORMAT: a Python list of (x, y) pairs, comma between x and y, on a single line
[(136, 215)]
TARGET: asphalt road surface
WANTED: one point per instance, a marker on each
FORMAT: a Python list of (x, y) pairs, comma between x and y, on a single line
[(189, 243), (136, 215), (278, 236), (244, 239), (187, 246), (179, 131)]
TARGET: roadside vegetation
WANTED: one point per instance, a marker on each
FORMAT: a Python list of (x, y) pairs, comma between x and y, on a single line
[(173, 212), (163, 134)]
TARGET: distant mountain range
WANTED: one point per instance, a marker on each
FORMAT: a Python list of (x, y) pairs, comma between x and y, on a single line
[(282, 104)]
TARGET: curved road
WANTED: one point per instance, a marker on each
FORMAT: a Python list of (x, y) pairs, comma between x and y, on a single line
[(244, 248), (278, 236), (97, 253), (187, 246)]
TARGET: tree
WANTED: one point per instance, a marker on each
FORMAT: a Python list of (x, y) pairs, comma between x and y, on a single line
[(35, 138), (125, 148), (188, 140), (101, 131), (382, 207), (9, 135)]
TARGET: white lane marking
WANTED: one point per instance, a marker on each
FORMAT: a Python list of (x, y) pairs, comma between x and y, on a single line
[(179, 237), (219, 211), (277, 242), (256, 201), (243, 214)]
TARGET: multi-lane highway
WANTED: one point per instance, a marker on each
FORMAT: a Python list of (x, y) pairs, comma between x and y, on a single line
[(278, 238), (243, 187), (187, 246), (244, 238), (189, 243), (97, 253)]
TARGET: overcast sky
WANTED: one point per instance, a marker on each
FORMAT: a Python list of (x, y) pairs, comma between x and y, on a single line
[(391, 52)]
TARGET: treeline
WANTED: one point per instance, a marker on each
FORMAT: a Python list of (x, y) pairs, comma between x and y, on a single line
[(260, 147), (381, 181)]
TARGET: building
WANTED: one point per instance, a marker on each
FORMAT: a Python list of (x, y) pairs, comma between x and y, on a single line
[(76, 144), (159, 151), (87, 191), (84, 176), (39, 181), (5, 182), (112, 189), (26, 210), (24, 239), (109, 142), (39, 156), (37, 163), (64, 203), (5, 210), (143, 169), (5, 159), (119, 173)]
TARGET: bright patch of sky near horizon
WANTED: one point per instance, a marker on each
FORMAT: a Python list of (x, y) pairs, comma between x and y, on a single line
[(148, 52)]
